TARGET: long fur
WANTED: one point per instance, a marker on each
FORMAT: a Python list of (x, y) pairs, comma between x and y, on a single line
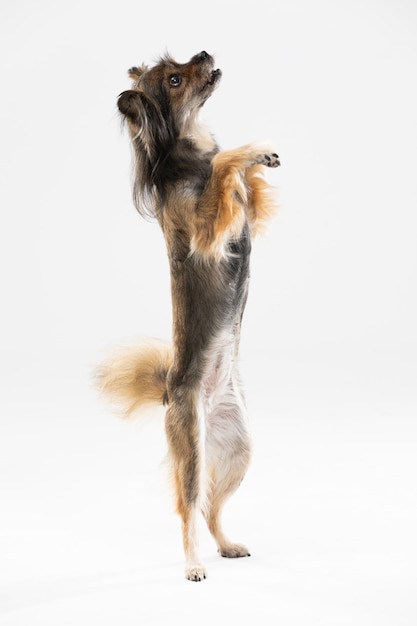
[(209, 204)]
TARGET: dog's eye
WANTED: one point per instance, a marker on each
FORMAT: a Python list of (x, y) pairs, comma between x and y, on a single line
[(175, 80)]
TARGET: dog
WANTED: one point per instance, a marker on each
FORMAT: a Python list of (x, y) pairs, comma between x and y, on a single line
[(209, 204)]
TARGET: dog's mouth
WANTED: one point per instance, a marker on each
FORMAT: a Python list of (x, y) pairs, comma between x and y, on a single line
[(210, 85), (214, 77)]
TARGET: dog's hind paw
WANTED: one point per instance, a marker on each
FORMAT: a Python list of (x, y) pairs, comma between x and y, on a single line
[(270, 160), (234, 551), (195, 573)]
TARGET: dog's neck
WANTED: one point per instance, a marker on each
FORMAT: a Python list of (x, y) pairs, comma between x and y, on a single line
[(198, 133)]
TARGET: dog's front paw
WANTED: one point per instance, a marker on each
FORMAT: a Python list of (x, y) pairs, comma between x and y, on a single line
[(270, 160)]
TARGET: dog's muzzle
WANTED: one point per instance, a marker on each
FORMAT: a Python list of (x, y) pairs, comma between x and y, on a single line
[(214, 76)]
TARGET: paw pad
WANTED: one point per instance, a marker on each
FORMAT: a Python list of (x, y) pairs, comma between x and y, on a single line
[(271, 160)]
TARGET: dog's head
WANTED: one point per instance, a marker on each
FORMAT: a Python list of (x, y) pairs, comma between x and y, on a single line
[(161, 111), (165, 99)]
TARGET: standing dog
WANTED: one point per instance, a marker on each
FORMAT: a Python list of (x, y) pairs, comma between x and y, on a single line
[(208, 204)]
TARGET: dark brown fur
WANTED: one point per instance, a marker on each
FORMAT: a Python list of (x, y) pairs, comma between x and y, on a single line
[(208, 204)]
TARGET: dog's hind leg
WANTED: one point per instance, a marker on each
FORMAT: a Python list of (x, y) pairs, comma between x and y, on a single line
[(183, 428), (228, 453)]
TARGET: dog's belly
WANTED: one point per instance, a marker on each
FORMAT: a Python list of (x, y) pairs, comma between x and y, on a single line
[(221, 368), (226, 429)]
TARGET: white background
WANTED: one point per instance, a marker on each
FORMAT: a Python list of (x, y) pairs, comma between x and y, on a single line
[(328, 508)]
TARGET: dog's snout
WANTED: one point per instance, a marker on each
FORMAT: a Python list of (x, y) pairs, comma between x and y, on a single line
[(201, 57)]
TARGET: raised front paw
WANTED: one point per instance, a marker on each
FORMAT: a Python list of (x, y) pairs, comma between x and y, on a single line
[(270, 160)]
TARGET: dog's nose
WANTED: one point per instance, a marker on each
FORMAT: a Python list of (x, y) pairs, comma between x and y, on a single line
[(201, 57)]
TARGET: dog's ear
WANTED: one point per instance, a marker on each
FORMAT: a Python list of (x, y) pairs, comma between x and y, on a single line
[(130, 105), (136, 72), (145, 116), (136, 106)]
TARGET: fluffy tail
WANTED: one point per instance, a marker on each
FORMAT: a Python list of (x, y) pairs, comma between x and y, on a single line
[(133, 378)]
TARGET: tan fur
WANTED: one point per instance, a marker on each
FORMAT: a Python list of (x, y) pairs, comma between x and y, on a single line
[(237, 192), (134, 377)]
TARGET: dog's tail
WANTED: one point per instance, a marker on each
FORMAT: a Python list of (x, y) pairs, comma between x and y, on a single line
[(134, 378)]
